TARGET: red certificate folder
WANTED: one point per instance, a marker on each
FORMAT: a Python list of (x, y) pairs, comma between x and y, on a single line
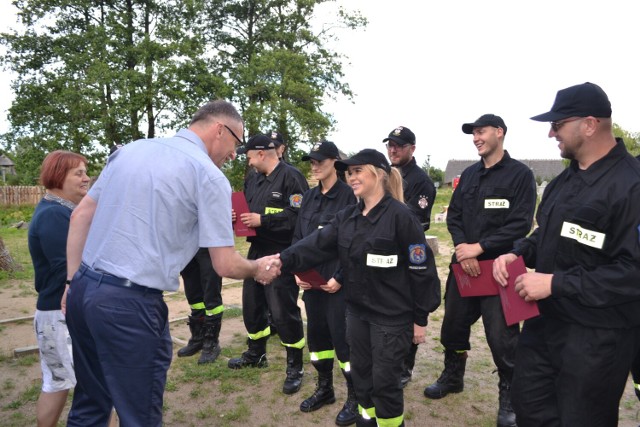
[(514, 307), (480, 286), (240, 206), (312, 277)]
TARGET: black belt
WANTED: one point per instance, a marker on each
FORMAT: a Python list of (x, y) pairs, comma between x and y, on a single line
[(109, 279)]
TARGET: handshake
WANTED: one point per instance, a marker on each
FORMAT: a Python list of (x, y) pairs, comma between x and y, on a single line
[(268, 268)]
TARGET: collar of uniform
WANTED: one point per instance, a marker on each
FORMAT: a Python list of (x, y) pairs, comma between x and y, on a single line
[(404, 169), (603, 165), (333, 191), (192, 137), (378, 210), (505, 158), (274, 172)]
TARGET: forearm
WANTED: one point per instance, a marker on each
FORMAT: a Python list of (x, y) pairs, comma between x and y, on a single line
[(81, 219), (229, 263)]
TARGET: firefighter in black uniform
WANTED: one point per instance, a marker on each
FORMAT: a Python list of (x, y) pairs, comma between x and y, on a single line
[(419, 195), (573, 361), (274, 197), (390, 280), (482, 230), (203, 289), (325, 307)]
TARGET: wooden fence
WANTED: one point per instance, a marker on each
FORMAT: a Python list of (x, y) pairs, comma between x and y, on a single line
[(20, 195)]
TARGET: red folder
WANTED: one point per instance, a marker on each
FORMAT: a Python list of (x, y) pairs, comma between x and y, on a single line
[(312, 277), (480, 286), (514, 307), (240, 206)]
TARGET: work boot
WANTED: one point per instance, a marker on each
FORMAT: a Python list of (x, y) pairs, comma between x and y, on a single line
[(323, 395), (349, 412), (293, 382), (452, 378), (506, 416), (407, 366), (254, 357), (196, 326), (210, 345), (636, 387)]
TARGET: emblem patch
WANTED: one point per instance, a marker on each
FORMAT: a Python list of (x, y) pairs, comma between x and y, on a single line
[(423, 202), (417, 254), (295, 200)]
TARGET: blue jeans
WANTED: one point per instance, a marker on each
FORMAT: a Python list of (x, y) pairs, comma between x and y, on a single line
[(121, 350)]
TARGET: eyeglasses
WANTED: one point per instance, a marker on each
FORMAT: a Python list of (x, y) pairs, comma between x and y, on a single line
[(239, 142), (555, 126), (396, 146)]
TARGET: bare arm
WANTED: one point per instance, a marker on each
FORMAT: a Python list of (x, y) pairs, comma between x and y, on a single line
[(78, 230), (229, 263)]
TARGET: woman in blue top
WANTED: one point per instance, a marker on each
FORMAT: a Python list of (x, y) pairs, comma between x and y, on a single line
[(64, 176)]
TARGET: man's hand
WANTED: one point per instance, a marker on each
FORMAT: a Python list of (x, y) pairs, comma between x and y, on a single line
[(63, 301), (268, 269), (500, 268), (533, 286), (467, 251), (233, 215), (471, 266), (419, 334), (250, 219), (302, 284), (332, 286)]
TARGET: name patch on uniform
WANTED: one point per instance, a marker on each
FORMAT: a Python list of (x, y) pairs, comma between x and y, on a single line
[(496, 204), (417, 254), (582, 235), (276, 195), (269, 211), (382, 261), (295, 200)]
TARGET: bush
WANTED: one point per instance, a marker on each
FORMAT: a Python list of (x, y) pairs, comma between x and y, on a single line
[(10, 215)]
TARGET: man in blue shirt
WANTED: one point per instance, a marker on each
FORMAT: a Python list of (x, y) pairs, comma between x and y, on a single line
[(156, 202)]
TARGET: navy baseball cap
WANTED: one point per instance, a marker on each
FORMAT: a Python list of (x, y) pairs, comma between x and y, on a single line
[(485, 120), (401, 136), (322, 150), (584, 100), (257, 142), (276, 137), (367, 156)]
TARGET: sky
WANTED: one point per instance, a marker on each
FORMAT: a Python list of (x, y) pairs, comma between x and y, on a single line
[(434, 65)]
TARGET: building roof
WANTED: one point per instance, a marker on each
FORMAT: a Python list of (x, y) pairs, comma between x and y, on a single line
[(5, 161), (543, 169)]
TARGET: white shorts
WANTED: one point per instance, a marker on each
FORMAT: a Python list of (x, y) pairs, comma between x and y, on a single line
[(56, 359)]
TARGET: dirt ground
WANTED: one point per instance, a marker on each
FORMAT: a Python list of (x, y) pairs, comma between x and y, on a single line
[(209, 399)]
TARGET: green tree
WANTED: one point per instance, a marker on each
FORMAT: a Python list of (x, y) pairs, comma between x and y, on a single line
[(436, 175), (631, 140)]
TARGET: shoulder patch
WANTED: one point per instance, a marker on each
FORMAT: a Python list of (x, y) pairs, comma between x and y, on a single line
[(423, 202), (417, 254), (295, 200)]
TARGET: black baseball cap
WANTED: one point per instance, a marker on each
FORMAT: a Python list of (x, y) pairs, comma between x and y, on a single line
[(257, 142), (276, 137), (584, 100), (402, 136), (485, 120), (367, 156), (322, 150)]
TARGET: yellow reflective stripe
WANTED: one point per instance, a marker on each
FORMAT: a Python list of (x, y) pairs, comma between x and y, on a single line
[(264, 333), (219, 309), (390, 422), (198, 306), (299, 344), (268, 210), (367, 413), (345, 366), (322, 355), (637, 386)]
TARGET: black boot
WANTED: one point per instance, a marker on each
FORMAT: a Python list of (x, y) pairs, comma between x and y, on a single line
[(323, 395), (254, 357), (506, 416), (210, 345), (452, 378), (293, 382), (407, 366), (349, 412), (196, 326)]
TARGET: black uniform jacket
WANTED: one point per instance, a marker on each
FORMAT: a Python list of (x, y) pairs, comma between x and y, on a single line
[(277, 198), (389, 272), (318, 210), (588, 237), (492, 206), (419, 192)]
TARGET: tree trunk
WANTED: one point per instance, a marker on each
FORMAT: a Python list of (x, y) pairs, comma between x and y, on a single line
[(6, 262)]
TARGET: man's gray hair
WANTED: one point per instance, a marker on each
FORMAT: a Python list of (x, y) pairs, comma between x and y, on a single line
[(216, 108)]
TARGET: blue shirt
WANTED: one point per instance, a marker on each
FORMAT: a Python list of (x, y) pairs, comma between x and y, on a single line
[(158, 201)]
